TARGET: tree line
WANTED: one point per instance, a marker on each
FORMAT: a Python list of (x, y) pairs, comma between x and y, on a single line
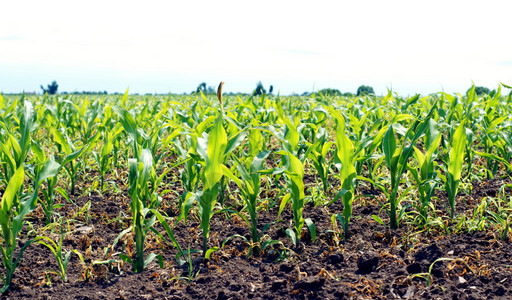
[(363, 90)]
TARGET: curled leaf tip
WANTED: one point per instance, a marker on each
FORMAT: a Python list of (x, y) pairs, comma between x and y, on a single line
[(219, 92)]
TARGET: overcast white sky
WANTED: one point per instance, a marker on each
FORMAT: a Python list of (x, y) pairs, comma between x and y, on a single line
[(172, 46)]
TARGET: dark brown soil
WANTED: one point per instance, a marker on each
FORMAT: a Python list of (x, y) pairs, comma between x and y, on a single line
[(375, 263)]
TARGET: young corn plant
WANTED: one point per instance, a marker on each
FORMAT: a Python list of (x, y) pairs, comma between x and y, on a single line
[(505, 148), (11, 221), (293, 167), (454, 166), (144, 198), (43, 165), (194, 153), (49, 193), (15, 205), (70, 155), (237, 134), (212, 174), (396, 159), (317, 153), (132, 130), (189, 175), (103, 157), (345, 153), (294, 170), (424, 173), (14, 151), (250, 187), (56, 250), (490, 127), (140, 171)]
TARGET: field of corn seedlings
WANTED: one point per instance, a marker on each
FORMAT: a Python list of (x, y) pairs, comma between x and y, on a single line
[(188, 197)]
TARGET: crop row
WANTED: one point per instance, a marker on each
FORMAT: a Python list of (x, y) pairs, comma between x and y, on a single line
[(408, 149)]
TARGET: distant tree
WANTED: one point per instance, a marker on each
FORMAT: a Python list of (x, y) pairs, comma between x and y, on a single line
[(52, 88), (364, 90), (201, 88), (330, 92), (207, 90), (259, 89), (211, 90), (270, 89), (481, 90)]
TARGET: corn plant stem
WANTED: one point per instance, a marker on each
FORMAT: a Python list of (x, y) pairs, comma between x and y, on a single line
[(347, 212), (8, 255), (49, 199), (208, 202), (393, 222), (139, 244), (254, 220)]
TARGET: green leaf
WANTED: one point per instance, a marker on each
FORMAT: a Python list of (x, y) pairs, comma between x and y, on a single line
[(418, 155), (507, 86), (345, 152), (259, 160), (457, 152), (209, 252), (378, 219), (38, 152), (190, 198), (133, 173), (16, 148), (296, 174), (61, 140), (235, 141), (125, 258), (291, 234), (129, 124), (493, 156), (11, 190), (201, 127), (169, 231), (150, 258), (217, 142), (50, 169), (9, 159), (147, 160), (227, 172), (26, 122), (125, 98), (389, 147), (291, 134), (64, 194), (284, 201), (312, 228), (74, 155)]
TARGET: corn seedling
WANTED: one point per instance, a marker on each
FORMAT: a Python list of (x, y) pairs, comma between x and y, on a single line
[(454, 166), (56, 250), (103, 158), (424, 173), (317, 152), (345, 154), (140, 171), (250, 188), (397, 157), (14, 204), (70, 155), (11, 222), (213, 154)]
